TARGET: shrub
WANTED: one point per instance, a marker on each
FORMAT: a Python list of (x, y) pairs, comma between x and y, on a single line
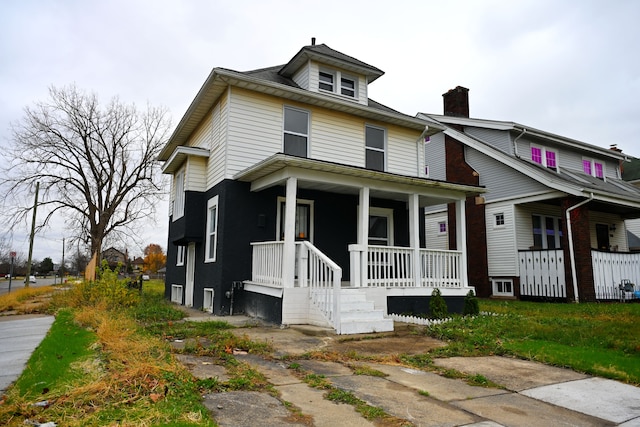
[(471, 307), (437, 305)]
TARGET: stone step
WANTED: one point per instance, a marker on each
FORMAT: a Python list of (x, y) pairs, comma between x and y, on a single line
[(365, 327)]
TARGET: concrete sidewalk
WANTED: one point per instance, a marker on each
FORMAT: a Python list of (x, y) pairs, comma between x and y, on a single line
[(531, 393), (19, 337)]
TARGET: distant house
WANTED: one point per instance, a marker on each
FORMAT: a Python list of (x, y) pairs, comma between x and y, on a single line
[(114, 257), (296, 198), (551, 223), (137, 265)]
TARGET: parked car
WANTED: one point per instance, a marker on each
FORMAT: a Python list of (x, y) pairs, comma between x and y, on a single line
[(7, 276), (145, 277), (32, 279)]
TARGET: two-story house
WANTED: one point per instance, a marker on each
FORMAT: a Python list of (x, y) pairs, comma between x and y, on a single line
[(551, 224), (298, 199)]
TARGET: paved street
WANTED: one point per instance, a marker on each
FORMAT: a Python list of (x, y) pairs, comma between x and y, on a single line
[(18, 283)]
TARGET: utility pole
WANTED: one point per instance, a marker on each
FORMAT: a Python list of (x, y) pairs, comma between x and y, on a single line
[(33, 233), (64, 270)]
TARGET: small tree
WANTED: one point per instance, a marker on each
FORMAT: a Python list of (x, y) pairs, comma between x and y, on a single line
[(46, 266), (437, 305), (154, 258), (471, 307)]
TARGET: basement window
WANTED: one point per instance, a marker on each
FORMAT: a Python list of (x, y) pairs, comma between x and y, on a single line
[(502, 287)]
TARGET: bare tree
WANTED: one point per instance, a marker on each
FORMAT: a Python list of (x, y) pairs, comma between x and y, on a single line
[(96, 164)]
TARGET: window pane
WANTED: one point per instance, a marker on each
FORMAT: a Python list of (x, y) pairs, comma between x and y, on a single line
[(296, 121), (295, 145), (537, 231), (212, 219), (586, 166), (550, 232), (348, 87), (375, 160), (599, 170), (536, 154), (375, 138), (551, 159), (326, 81)]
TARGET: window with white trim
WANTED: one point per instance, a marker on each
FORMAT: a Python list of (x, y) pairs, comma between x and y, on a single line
[(375, 143), (337, 82), (498, 220), (380, 226), (442, 227), (502, 287), (593, 168), (212, 230), (544, 156), (178, 198), (547, 232), (296, 132), (180, 256)]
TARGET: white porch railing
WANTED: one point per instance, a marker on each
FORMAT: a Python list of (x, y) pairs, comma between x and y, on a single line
[(393, 267), (542, 273), (610, 268), (323, 277), (266, 264)]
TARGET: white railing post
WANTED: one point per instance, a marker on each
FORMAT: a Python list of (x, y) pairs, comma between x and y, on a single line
[(355, 268), (414, 235), (303, 265), (363, 234)]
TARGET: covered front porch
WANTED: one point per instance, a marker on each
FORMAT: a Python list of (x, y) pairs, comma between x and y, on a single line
[(352, 295)]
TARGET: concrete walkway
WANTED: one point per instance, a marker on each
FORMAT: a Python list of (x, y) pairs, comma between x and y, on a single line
[(531, 393), (19, 337)]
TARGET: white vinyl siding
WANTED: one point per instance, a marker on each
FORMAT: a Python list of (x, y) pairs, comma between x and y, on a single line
[(301, 77), (196, 174), (216, 165), (201, 138), (402, 151), (633, 225), (499, 139), (434, 157), (314, 82), (502, 252), (435, 239), (501, 180), (255, 129), (337, 138)]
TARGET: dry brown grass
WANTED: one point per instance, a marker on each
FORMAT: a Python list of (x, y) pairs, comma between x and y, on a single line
[(27, 300)]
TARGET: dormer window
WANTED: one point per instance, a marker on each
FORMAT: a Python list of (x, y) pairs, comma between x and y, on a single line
[(545, 157), (593, 168), (328, 81)]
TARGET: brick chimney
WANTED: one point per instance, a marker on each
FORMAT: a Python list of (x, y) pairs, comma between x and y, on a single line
[(456, 102)]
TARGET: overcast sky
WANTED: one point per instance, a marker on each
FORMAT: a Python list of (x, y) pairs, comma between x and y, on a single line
[(569, 67)]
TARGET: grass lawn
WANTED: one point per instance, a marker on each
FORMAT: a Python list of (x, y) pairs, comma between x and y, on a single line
[(601, 339)]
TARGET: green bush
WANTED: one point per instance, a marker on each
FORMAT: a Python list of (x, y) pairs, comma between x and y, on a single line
[(471, 306), (437, 305)]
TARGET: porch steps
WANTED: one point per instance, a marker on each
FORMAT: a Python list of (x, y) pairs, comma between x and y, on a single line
[(359, 316)]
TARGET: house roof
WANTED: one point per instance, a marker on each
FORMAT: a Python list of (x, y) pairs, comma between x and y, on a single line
[(631, 170), (347, 179), (273, 81), (324, 54), (531, 131), (624, 196)]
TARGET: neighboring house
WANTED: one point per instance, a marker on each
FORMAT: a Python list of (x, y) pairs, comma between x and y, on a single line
[(298, 199), (137, 265), (552, 221), (114, 257), (631, 174)]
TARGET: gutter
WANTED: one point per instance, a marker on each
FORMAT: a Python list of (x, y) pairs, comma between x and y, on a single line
[(571, 250)]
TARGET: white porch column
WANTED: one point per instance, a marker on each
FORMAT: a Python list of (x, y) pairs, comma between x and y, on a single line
[(461, 239), (289, 251), (414, 235), (363, 235)]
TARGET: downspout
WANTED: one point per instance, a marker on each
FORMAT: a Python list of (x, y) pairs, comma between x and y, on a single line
[(571, 252), (515, 143)]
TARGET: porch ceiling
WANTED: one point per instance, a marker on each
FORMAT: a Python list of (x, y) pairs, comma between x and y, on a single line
[(343, 179)]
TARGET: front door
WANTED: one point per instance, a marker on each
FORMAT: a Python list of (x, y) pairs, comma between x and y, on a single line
[(602, 236), (190, 279), (304, 220)]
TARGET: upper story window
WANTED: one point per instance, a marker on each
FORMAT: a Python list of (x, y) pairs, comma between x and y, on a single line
[(593, 168), (375, 142), (178, 199), (329, 81), (326, 81), (545, 157), (296, 132)]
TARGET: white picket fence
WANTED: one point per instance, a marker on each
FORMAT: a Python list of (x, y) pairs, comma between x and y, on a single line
[(415, 320), (610, 269), (542, 273)]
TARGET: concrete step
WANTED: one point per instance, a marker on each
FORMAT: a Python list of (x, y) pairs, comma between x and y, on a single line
[(365, 327), (372, 315)]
